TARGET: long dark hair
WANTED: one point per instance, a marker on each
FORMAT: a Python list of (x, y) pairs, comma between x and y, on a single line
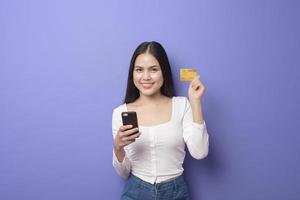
[(156, 50)]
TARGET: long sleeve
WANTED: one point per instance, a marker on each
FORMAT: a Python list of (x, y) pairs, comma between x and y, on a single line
[(122, 168), (195, 135)]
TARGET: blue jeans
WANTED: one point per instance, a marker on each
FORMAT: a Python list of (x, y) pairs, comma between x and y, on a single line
[(137, 189)]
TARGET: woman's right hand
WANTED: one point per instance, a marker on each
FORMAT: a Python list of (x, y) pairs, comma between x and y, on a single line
[(125, 136)]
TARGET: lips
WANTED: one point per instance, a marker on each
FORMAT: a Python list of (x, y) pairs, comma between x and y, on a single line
[(147, 85)]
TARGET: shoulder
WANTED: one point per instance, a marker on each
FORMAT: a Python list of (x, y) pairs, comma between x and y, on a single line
[(180, 100), (181, 104), (118, 110)]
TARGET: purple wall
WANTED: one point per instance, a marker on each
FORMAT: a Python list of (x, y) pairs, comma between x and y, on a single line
[(63, 68)]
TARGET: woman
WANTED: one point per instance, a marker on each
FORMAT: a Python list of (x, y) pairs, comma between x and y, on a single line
[(152, 155)]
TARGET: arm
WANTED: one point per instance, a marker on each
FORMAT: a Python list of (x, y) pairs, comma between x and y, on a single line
[(120, 162), (194, 133), (197, 111), (122, 137)]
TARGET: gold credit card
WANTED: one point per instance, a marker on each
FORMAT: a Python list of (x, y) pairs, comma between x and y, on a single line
[(187, 74)]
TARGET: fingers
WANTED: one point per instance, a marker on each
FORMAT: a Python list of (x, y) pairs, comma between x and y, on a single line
[(127, 135), (126, 140), (125, 127), (195, 79), (196, 86), (196, 83), (131, 137), (130, 132)]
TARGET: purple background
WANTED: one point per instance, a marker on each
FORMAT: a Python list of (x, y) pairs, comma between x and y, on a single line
[(63, 68)]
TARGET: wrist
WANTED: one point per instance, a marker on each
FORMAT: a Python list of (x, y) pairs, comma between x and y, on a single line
[(118, 148), (194, 101)]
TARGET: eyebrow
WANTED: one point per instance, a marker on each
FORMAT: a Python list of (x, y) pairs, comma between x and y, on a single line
[(153, 66)]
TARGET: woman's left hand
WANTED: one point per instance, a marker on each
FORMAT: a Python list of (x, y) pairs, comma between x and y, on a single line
[(196, 89)]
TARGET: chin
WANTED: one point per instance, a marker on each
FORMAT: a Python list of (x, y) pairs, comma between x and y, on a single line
[(148, 93)]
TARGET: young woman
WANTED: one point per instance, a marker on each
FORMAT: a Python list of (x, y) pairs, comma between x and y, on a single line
[(152, 155)]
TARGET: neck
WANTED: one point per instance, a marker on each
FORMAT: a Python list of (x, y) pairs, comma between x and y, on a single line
[(151, 100)]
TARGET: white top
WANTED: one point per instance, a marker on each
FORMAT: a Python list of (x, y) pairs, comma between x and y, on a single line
[(158, 154)]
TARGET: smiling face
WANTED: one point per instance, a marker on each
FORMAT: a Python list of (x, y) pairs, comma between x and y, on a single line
[(147, 75)]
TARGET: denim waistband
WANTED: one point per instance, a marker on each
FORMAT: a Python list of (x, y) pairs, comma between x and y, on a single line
[(165, 184)]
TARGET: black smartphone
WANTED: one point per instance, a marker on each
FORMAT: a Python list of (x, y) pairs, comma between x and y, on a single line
[(130, 118)]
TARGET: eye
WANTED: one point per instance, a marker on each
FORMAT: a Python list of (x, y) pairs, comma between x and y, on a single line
[(154, 69), (138, 70)]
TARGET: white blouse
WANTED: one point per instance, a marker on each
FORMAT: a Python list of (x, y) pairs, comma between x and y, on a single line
[(158, 154)]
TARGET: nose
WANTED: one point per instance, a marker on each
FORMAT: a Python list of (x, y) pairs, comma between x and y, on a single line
[(146, 75)]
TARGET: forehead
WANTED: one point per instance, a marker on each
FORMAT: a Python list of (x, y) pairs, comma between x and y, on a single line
[(145, 60)]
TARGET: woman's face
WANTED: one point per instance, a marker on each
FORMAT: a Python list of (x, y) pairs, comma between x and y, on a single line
[(147, 75)]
